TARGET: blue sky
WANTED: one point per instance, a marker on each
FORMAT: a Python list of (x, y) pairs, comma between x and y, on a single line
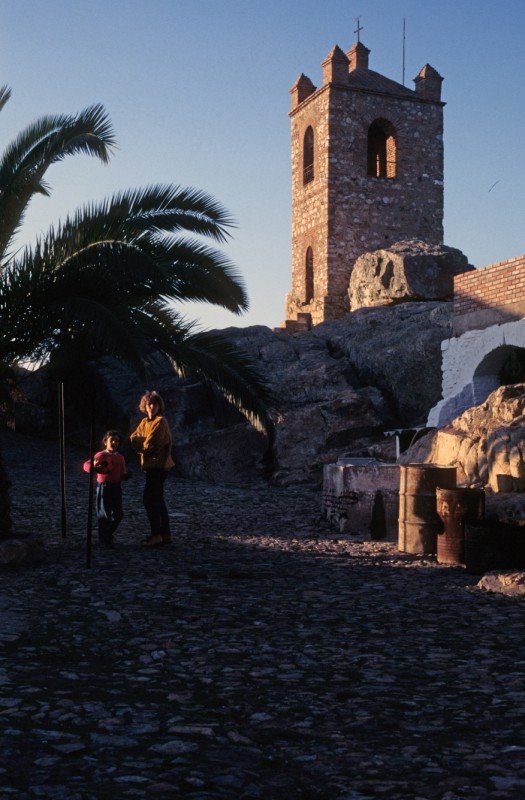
[(198, 94)]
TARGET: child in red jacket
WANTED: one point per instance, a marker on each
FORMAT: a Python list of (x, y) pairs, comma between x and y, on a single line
[(110, 467)]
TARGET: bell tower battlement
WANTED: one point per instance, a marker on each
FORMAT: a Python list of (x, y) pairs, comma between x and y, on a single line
[(367, 171)]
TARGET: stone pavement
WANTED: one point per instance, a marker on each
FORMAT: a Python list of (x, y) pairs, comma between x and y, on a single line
[(258, 657)]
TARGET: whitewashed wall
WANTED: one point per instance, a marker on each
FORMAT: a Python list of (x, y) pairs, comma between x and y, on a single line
[(470, 365)]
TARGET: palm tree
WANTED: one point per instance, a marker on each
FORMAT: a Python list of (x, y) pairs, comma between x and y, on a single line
[(105, 281)]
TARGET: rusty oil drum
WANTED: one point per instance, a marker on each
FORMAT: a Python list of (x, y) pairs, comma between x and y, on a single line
[(419, 522), (455, 507)]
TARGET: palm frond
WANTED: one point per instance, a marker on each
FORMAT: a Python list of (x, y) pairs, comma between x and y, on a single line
[(52, 138), (105, 280), (80, 300), (197, 272), (42, 144), (5, 94), (180, 268), (157, 208), (216, 359), (233, 372), (100, 329)]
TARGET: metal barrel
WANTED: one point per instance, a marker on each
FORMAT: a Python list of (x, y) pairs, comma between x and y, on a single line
[(419, 522), (454, 507)]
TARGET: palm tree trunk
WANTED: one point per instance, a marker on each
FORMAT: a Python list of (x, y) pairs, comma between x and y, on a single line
[(5, 503)]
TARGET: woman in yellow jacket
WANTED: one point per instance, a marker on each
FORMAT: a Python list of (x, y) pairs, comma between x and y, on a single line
[(152, 440)]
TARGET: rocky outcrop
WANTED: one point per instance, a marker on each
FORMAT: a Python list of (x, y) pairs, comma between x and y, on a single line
[(511, 584), (315, 434), (340, 386), (396, 349), (406, 271), (344, 382), (508, 507), (486, 443), (227, 455), (325, 410)]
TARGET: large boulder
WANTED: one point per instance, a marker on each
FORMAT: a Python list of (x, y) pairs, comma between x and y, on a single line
[(326, 411), (486, 443), (407, 271), (227, 455), (344, 382), (396, 349), (315, 434), (507, 507), (511, 584)]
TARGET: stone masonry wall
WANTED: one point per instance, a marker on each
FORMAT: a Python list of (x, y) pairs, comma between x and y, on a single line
[(309, 209), (367, 213), (488, 296), (344, 212)]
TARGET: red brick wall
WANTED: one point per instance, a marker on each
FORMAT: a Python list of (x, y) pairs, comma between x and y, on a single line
[(498, 285), (489, 296)]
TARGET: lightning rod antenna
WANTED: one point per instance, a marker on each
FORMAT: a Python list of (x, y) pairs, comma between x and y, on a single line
[(404, 20)]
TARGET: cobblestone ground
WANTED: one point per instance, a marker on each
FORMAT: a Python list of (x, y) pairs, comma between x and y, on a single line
[(257, 657)]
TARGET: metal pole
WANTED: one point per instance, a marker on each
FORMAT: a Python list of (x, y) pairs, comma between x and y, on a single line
[(62, 445), (89, 536), (404, 31)]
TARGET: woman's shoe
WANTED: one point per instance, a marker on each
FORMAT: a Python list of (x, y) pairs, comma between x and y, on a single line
[(166, 539), (154, 540)]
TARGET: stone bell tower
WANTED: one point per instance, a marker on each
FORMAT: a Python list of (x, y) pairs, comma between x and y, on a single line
[(367, 171)]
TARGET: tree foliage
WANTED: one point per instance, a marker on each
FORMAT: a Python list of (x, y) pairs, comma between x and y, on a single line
[(108, 280)]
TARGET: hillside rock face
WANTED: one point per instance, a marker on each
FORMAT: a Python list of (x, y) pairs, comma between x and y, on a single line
[(486, 443), (406, 271), (396, 349), (316, 434), (344, 382), (325, 410), (340, 385)]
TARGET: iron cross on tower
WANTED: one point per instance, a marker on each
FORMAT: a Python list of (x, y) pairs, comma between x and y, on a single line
[(359, 27)]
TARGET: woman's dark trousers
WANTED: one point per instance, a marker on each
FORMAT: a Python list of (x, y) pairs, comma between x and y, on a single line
[(154, 503), (109, 510)]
